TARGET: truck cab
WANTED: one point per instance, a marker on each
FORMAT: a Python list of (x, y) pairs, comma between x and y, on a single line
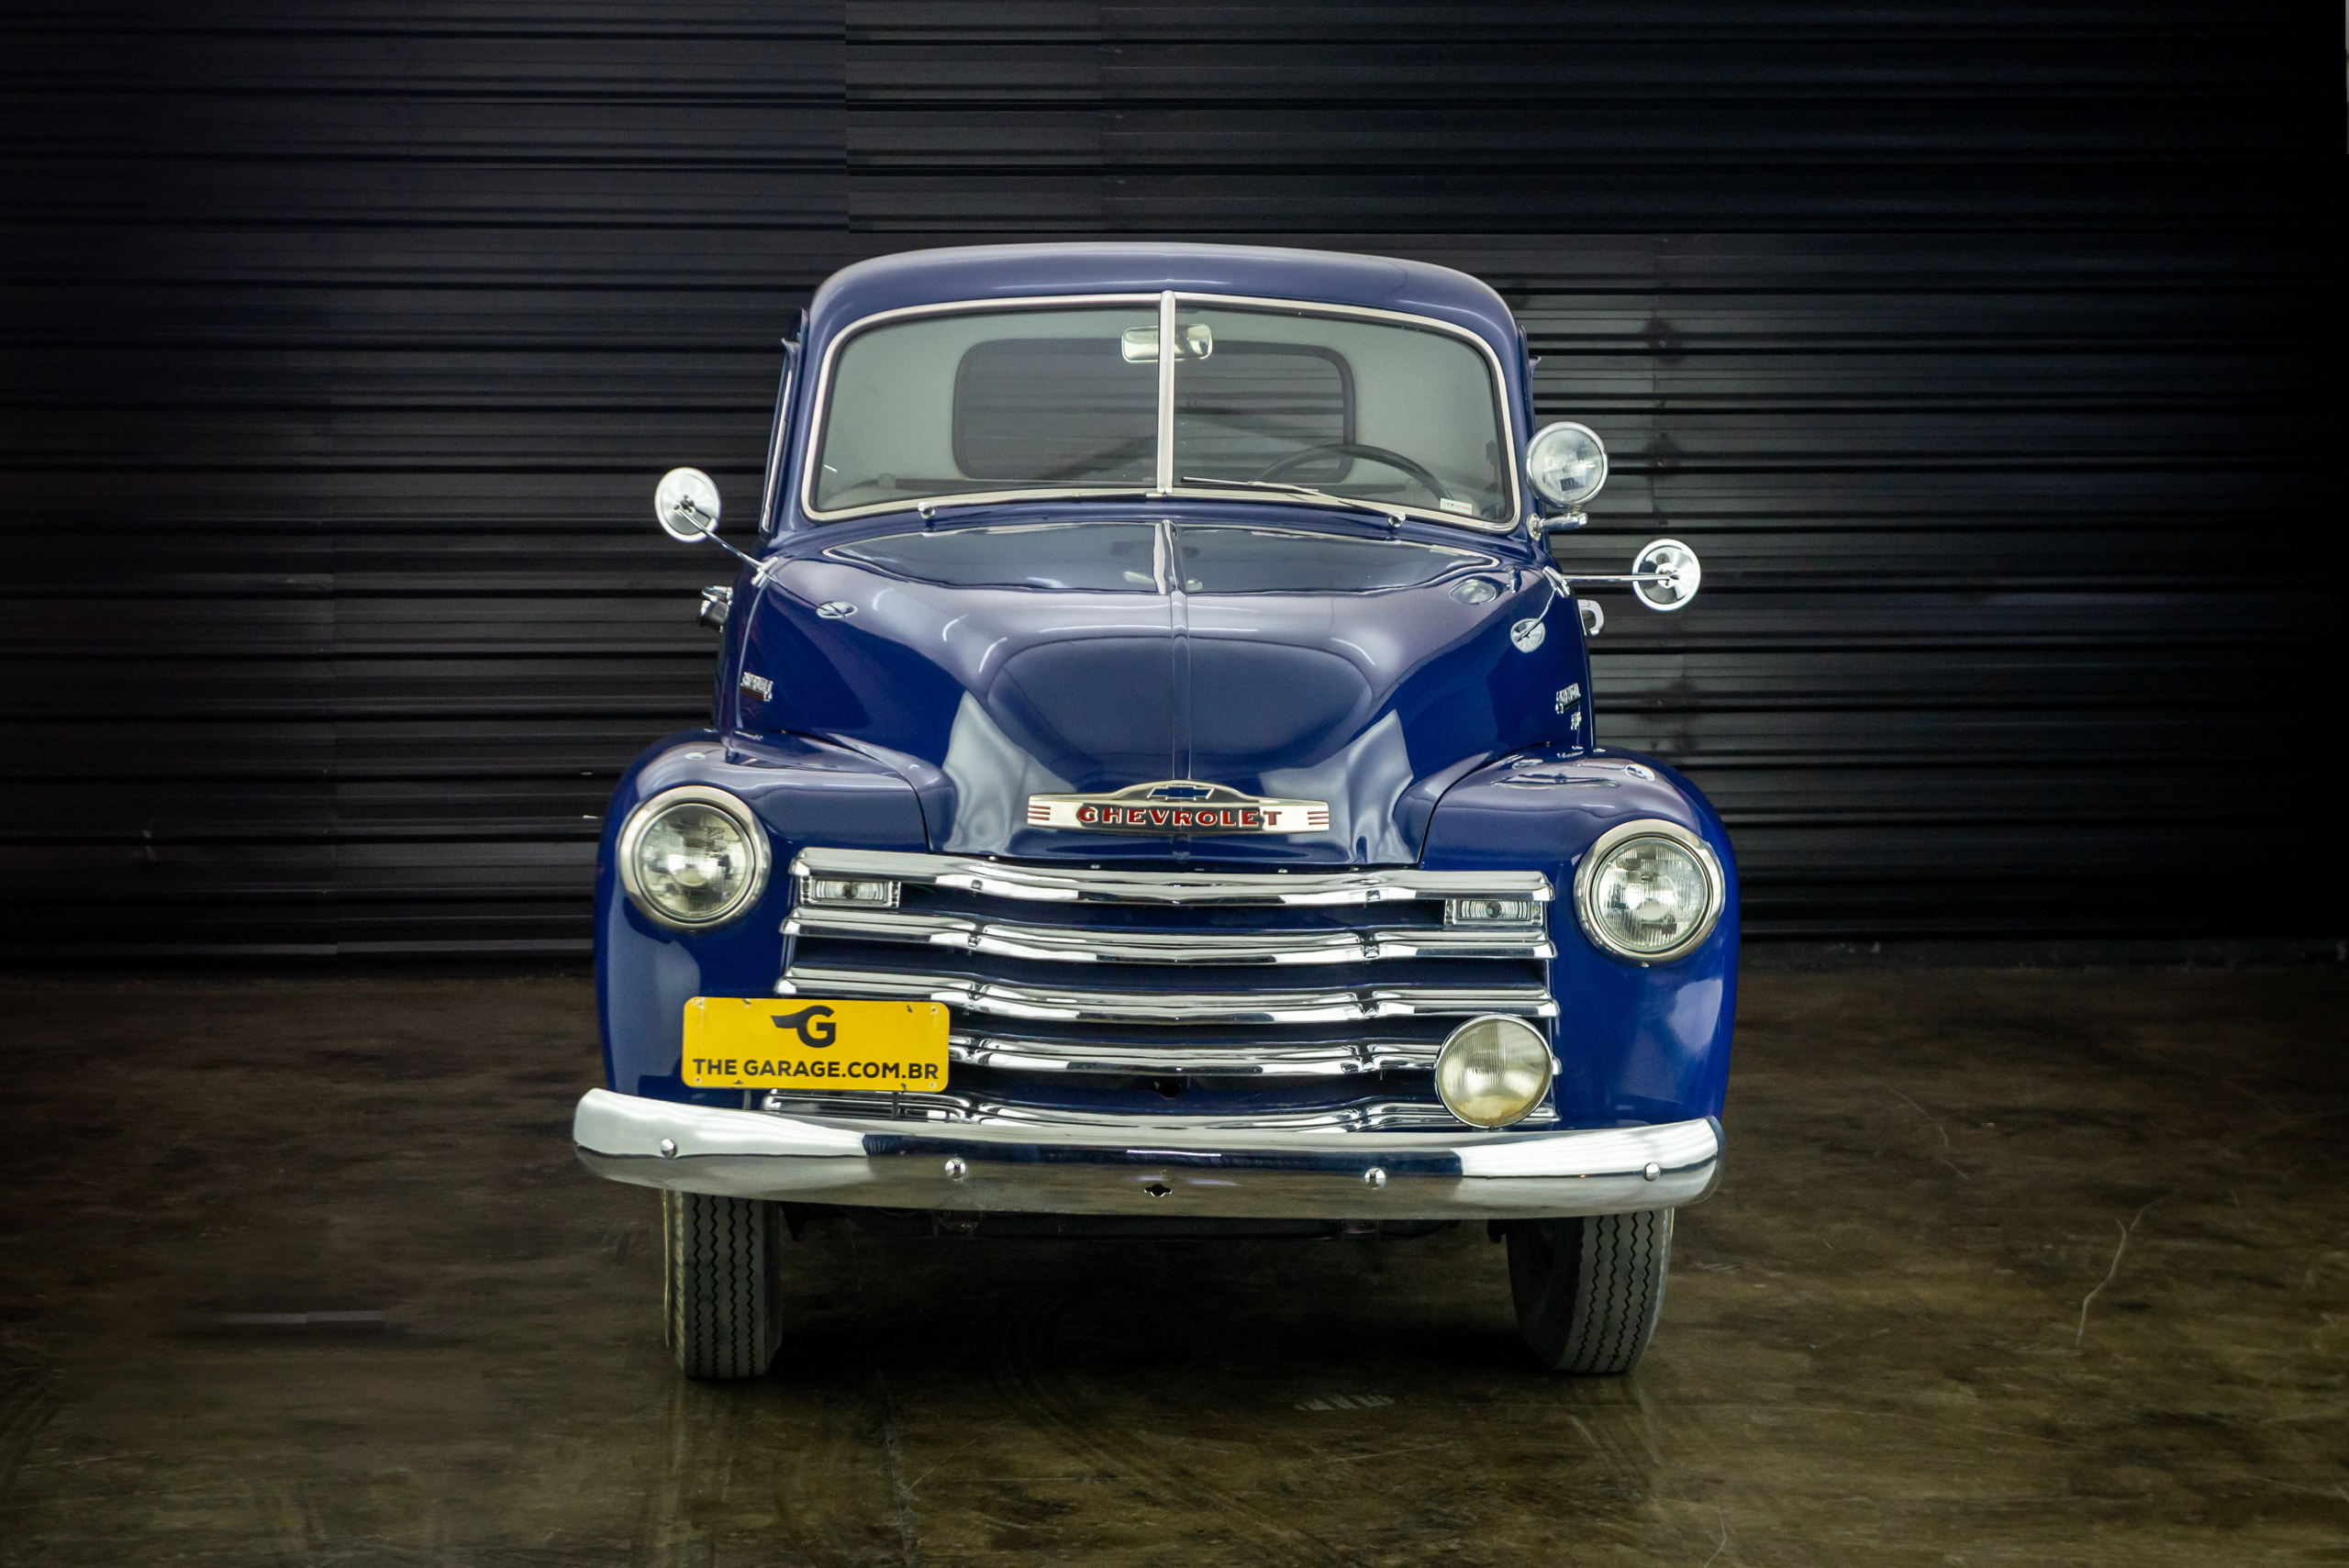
[(1152, 788)]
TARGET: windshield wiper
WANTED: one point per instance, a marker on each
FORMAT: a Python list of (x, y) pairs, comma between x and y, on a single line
[(928, 505), (1392, 514)]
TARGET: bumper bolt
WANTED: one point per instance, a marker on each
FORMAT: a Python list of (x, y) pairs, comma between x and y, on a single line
[(1653, 1171), (668, 1149), (956, 1170), (1374, 1178)]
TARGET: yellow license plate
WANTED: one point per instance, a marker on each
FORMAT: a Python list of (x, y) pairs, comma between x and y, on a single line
[(805, 1042)]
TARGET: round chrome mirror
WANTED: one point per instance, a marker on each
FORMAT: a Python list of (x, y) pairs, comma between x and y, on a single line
[(687, 504), (1677, 567), (1567, 463)]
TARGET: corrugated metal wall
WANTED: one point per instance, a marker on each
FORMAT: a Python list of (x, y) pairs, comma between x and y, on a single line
[(1989, 354)]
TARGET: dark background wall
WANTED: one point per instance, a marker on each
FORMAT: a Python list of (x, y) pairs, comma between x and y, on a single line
[(1989, 353)]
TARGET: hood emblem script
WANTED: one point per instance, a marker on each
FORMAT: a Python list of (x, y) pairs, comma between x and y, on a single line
[(1178, 806)]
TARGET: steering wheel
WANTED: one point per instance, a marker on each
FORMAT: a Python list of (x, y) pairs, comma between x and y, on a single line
[(1387, 455)]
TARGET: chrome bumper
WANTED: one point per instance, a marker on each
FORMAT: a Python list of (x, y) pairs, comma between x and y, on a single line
[(1187, 1168)]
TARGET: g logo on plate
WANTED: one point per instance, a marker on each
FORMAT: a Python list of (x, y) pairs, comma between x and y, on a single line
[(814, 1025)]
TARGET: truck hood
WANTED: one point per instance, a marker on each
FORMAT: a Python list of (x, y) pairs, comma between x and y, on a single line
[(993, 663)]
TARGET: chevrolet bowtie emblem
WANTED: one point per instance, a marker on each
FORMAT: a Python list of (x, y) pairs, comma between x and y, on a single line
[(1178, 806)]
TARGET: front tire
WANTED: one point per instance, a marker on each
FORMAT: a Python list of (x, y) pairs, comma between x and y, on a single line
[(720, 1306), (1589, 1290)]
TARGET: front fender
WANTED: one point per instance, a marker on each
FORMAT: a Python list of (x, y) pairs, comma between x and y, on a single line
[(1636, 1042), (802, 792)]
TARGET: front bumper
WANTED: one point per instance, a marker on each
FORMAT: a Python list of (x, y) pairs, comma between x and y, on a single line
[(1191, 1168)]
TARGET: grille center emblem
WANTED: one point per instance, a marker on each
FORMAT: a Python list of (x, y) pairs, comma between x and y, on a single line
[(1178, 806)]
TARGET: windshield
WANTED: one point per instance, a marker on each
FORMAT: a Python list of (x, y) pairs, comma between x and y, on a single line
[(1067, 400)]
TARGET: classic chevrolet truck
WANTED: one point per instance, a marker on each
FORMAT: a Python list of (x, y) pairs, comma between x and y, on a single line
[(1152, 790)]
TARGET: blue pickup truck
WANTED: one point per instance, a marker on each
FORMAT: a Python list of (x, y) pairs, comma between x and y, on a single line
[(1152, 790)]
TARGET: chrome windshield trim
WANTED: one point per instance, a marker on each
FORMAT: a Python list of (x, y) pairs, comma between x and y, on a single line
[(771, 484), (1167, 356), (1017, 1053), (1081, 884), (1165, 303), (1082, 944), (1009, 1000)]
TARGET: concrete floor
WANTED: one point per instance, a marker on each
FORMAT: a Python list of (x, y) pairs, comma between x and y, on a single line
[(2009, 1267)]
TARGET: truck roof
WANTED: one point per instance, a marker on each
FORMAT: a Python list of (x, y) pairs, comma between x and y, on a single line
[(1016, 271)]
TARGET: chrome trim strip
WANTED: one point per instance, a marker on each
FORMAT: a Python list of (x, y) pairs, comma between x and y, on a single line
[(1181, 1059), (1147, 1164), (1088, 944), (1004, 999), (1166, 358), (927, 1111), (1074, 884), (771, 485), (1167, 303), (1717, 886)]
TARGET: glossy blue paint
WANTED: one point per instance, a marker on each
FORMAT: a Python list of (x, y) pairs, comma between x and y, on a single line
[(1279, 651), (1636, 1042), (926, 678), (803, 791)]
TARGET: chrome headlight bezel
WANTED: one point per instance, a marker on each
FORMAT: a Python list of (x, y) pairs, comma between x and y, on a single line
[(650, 810), (1614, 839)]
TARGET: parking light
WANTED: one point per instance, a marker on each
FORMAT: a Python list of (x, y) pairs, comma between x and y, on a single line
[(853, 893)]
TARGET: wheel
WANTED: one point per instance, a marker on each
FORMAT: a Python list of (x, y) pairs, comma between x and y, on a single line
[(720, 1307), (1588, 1291)]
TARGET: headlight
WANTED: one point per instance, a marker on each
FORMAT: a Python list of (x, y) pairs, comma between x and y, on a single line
[(1493, 1070), (1648, 890), (692, 857)]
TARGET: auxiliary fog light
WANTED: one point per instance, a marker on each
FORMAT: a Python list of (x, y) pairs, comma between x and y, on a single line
[(1493, 1070), (855, 893), (1491, 912)]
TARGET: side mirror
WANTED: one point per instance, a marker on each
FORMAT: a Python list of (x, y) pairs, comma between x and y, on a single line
[(1567, 466), (686, 503), (1666, 574)]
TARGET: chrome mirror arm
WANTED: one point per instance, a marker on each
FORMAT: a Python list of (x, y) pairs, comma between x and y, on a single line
[(686, 506), (1664, 576)]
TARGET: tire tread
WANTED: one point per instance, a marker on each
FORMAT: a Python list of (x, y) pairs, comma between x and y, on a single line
[(1588, 1291), (720, 1293)]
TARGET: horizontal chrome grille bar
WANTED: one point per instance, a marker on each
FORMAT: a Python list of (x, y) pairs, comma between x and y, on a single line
[(1006, 999), (1270, 1059), (1078, 884), (1098, 944)]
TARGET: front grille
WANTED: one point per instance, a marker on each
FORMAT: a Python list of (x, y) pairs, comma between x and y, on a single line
[(1294, 980)]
